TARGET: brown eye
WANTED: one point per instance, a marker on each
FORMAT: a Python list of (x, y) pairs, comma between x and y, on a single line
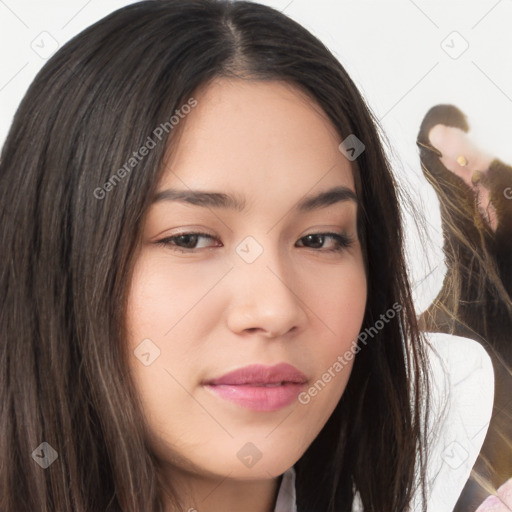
[(317, 240), (185, 241)]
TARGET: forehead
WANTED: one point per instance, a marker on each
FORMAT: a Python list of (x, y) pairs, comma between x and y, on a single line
[(256, 135)]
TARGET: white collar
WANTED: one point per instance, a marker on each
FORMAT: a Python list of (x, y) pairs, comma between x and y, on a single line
[(286, 500)]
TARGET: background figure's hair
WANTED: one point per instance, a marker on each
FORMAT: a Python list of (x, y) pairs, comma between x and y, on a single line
[(68, 257), (476, 298)]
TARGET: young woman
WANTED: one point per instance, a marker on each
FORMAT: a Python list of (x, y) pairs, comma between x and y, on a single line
[(203, 284)]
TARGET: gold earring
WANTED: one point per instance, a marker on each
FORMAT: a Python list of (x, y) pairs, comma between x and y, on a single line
[(476, 177), (462, 161)]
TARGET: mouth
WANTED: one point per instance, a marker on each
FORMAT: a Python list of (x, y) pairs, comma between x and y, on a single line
[(259, 387)]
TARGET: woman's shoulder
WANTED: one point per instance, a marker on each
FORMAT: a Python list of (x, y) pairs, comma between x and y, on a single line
[(461, 400), (462, 397), (461, 353)]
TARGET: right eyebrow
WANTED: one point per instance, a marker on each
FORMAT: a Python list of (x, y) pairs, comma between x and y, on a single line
[(201, 198)]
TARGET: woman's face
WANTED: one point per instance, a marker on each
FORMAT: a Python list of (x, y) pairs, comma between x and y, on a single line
[(276, 280)]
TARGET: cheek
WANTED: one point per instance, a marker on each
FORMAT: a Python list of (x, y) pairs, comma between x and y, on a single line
[(160, 306), (162, 295), (161, 353), (345, 303), (338, 296)]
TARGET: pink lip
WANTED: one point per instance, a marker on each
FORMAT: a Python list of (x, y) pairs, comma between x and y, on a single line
[(260, 388)]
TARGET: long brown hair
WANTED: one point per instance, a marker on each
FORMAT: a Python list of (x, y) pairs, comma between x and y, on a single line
[(67, 258)]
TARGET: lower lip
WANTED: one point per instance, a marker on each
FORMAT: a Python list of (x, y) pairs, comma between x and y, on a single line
[(258, 398)]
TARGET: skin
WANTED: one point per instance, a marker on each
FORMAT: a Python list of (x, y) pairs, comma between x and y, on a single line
[(210, 312), (454, 143)]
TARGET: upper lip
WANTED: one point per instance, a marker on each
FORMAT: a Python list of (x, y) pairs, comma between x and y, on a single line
[(261, 374)]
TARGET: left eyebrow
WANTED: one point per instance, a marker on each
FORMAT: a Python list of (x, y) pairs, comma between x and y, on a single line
[(221, 200), (326, 198)]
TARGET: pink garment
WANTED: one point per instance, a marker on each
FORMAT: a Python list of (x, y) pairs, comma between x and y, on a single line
[(501, 502)]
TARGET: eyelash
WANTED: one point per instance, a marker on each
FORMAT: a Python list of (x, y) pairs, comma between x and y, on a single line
[(343, 242)]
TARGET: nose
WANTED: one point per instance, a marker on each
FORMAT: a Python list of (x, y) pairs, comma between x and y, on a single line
[(266, 297)]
